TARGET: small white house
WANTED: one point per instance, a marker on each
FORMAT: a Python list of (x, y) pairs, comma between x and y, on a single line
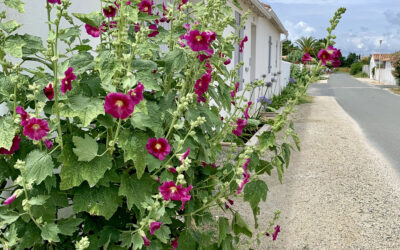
[(380, 69)]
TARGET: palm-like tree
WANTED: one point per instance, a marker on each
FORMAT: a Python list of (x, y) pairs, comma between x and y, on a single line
[(307, 44)]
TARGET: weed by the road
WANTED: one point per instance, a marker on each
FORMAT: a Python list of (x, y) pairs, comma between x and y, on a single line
[(395, 91)]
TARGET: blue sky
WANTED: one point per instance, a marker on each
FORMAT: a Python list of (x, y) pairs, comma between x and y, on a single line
[(363, 25)]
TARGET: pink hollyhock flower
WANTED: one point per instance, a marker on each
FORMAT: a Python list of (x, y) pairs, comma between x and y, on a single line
[(336, 63), (128, 3), (66, 81), (54, 1), (275, 234), (306, 58), (201, 99), (241, 46), (24, 115), (227, 61), (14, 146), (145, 6), (204, 164), (240, 125), (246, 176), (146, 241), (164, 7), (246, 112), (211, 36), (201, 85), (9, 200), (233, 93), (181, 4), (208, 67), (49, 144), (202, 57), (172, 170), (198, 41), (187, 26), (324, 56), (174, 243), (170, 191), (185, 196), (230, 202), (36, 128), (137, 27), (110, 11), (159, 148), (119, 105), (48, 91), (184, 155), (93, 31), (154, 28), (136, 94), (155, 226)]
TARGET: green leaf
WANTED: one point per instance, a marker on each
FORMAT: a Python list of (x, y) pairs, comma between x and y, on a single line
[(13, 45), (7, 131), (254, 192), (107, 65), (278, 163), (73, 172), (140, 64), (239, 225), (33, 44), (38, 200), (86, 113), (69, 32), (11, 236), (286, 153), (82, 62), (163, 234), (152, 120), (136, 190), (10, 26), (267, 139), (174, 61), (69, 226), (8, 218), (86, 149), (223, 229), (148, 79), (134, 146), (102, 201), (18, 5), (38, 165), (187, 240), (30, 237), (126, 239), (94, 19), (137, 241), (50, 232)]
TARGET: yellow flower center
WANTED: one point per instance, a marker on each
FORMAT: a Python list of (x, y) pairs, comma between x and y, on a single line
[(146, 8), (158, 146), (173, 189), (119, 103), (133, 93), (198, 38), (36, 126)]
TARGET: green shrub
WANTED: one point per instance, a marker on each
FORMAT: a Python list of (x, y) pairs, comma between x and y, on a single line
[(355, 68), (295, 56), (361, 75)]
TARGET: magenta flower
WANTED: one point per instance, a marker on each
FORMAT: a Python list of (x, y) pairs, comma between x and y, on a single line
[(93, 31), (14, 146), (54, 1), (230, 202), (155, 226), (159, 148), (202, 57), (36, 128), (154, 29), (9, 200), (136, 94), (181, 4), (174, 243), (201, 99), (336, 63), (306, 58), (240, 125), (197, 41), (146, 241), (170, 191), (110, 11), (227, 61), (184, 155), (172, 170), (246, 112), (208, 67), (137, 27), (48, 91), (233, 93), (324, 56), (66, 81), (241, 46), (119, 105), (201, 85), (49, 144), (145, 6), (24, 115), (246, 176), (275, 234)]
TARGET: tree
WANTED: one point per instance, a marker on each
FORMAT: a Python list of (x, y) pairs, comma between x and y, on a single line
[(307, 44), (287, 47), (350, 59)]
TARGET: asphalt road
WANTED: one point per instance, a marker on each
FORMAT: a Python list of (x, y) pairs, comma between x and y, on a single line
[(376, 110)]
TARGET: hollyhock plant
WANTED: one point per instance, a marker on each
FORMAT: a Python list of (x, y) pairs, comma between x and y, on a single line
[(170, 191), (24, 115), (201, 85), (198, 41), (14, 146), (145, 6), (93, 31), (246, 112), (246, 176), (146, 241), (159, 148), (306, 58), (154, 226), (184, 155), (275, 234), (241, 46), (136, 94), (48, 91), (324, 56), (227, 61), (174, 243), (233, 93), (48, 143), (54, 1), (240, 125), (119, 105), (9, 200), (110, 11), (154, 29), (36, 128), (66, 81)]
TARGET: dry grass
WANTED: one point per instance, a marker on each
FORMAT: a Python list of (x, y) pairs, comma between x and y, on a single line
[(395, 90)]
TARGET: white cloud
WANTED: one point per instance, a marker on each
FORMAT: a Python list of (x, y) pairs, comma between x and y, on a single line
[(299, 29)]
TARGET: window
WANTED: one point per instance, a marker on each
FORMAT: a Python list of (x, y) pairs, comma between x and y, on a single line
[(276, 57), (239, 56), (269, 54)]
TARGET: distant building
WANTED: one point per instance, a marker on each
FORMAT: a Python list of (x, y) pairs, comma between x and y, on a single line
[(380, 68)]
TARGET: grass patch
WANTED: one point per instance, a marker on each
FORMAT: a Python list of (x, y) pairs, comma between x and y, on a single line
[(343, 69), (305, 99), (361, 75), (395, 90)]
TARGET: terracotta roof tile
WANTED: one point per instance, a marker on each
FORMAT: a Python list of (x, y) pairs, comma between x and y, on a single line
[(383, 57)]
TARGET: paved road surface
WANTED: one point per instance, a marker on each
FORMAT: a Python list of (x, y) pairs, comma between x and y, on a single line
[(376, 110)]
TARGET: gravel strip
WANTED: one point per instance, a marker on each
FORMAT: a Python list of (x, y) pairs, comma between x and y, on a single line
[(338, 193)]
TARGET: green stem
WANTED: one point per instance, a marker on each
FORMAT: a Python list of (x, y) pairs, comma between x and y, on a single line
[(114, 141), (15, 100)]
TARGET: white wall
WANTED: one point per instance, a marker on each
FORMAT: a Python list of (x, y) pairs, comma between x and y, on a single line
[(383, 75)]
